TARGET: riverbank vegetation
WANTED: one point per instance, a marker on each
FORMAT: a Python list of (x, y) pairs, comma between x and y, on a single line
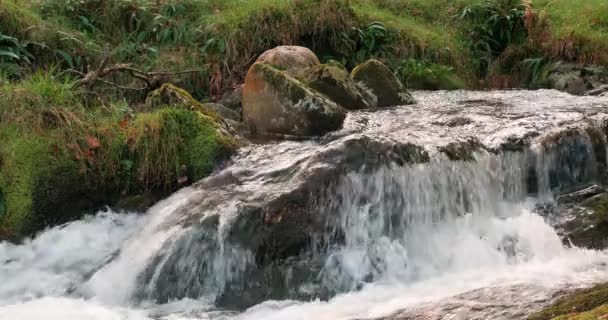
[(75, 74)]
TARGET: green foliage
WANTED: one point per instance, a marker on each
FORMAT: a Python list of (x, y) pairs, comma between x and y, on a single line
[(493, 26), (40, 102), (533, 71), (13, 55), (365, 43), (574, 29), (581, 301), (426, 75)]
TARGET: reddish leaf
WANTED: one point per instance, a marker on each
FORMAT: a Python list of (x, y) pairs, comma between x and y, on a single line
[(93, 142), (124, 123)]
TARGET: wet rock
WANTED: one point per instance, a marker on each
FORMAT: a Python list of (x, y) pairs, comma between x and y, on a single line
[(336, 85), (233, 99), (599, 91), (586, 223), (289, 58), (581, 195), (461, 150), (576, 79), (223, 111), (276, 103), (379, 79)]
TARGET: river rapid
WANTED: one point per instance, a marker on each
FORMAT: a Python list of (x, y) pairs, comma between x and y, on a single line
[(435, 236)]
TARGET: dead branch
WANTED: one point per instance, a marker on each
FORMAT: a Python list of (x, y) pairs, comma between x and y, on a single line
[(152, 80)]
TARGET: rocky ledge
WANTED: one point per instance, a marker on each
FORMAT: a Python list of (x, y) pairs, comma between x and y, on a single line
[(276, 200)]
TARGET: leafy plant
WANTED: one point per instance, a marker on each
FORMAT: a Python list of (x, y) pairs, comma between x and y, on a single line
[(365, 43), (170, 26), (14, 54), (533, 71), (423, 74), (493, 26)]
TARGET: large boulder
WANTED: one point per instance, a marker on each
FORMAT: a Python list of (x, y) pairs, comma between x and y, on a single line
[(379, 79), (276, 103), (337, 85), (289, 58)]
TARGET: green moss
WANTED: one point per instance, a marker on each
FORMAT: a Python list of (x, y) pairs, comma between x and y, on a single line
[(37, 177), (335, 84), (171, 144), (383, 83), (597, 313), (581, 301), (169, 94), (592, 231), (2, 204)]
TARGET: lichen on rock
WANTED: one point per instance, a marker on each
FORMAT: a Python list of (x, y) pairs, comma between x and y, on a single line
[(274, 102), (336, 85), (376, 76)]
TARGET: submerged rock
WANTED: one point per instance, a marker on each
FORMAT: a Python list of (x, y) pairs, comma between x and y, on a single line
[(276, 103), (336, 84), (381, 81), (289, 58)]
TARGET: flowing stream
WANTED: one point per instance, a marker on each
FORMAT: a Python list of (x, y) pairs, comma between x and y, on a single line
[(419, 212)]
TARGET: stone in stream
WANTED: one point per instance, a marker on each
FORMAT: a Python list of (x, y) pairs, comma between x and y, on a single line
[(289, 58), (381, 81), (577, 79), (336, 84), (275, 103)]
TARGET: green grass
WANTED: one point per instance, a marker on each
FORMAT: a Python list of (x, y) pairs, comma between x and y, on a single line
[(584, 22)]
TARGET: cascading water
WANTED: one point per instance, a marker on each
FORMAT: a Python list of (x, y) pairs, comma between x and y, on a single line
[(369, 223)]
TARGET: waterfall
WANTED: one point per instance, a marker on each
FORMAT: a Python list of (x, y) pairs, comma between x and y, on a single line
[(399, 214)]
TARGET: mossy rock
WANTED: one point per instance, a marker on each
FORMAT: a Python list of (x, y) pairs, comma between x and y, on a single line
[(170, 94), (41, 184), (578, 302), (337, 64), (379, 79), (274, 102), (44, 182), (173, 144), (336, 84), (590, 228)]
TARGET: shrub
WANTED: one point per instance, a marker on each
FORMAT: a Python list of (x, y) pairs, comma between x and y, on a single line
[(494, 25)]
